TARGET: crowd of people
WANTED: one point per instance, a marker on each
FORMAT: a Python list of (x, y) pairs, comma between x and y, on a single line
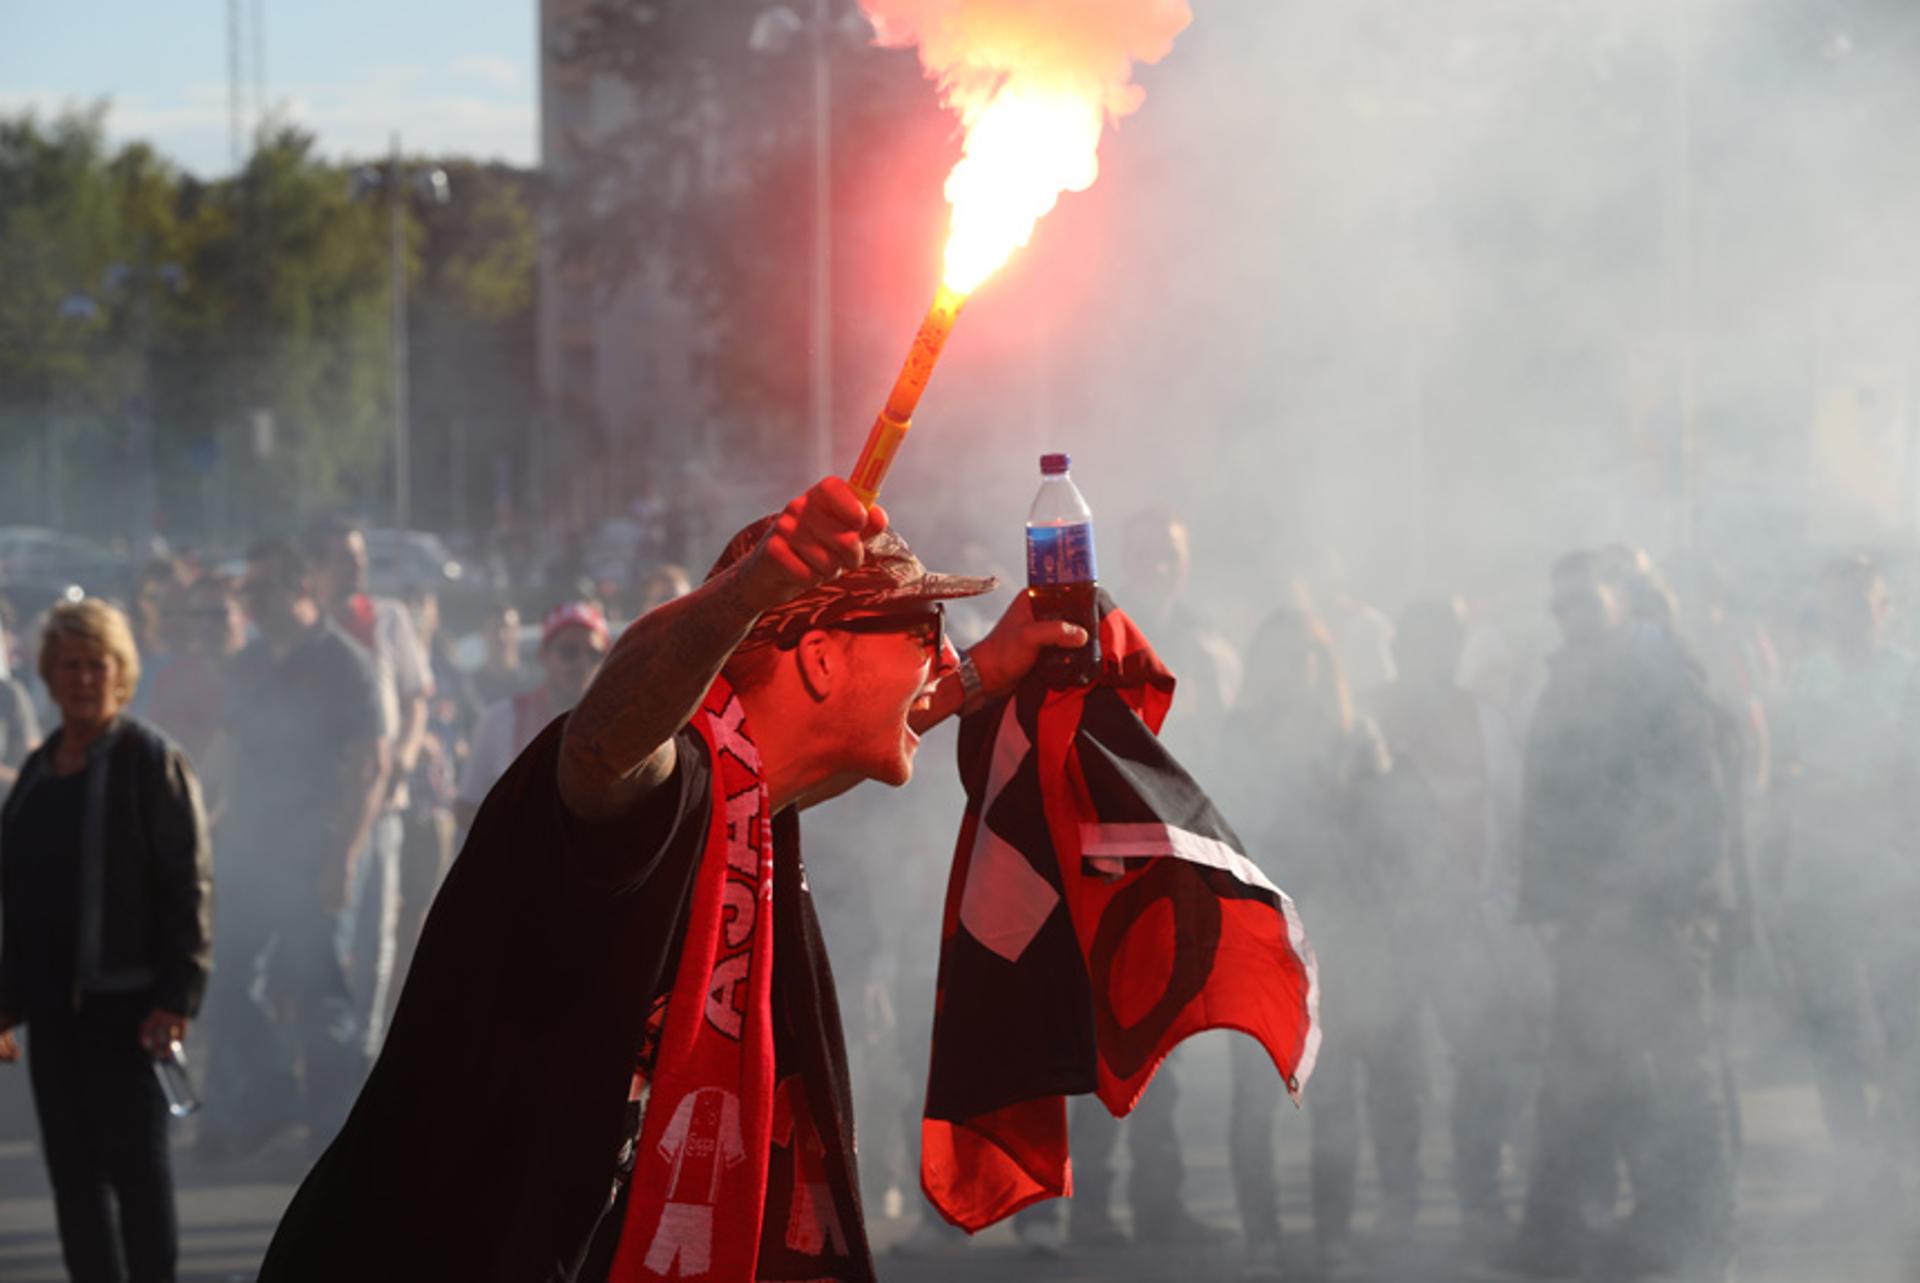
[(1568, 893), (1569, 877), (322, 740)]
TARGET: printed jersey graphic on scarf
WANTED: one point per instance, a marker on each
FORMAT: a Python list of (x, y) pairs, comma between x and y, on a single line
[(701, 1141), (1100, 911), (710, 1101), (732, 1178)]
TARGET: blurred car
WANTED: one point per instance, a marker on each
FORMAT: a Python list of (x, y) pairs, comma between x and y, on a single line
[(398, 560), (39, 566), (15, 540)]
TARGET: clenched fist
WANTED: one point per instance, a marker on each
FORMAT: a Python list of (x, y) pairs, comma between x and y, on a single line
[(819, 537)]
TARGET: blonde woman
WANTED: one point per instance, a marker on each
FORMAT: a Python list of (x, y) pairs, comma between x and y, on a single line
[(105, 931)]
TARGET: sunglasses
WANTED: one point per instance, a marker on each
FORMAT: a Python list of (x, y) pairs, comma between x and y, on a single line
[(575, 654), (929, 628)]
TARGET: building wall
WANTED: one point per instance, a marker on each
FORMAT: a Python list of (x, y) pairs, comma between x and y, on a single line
[(623, 407)]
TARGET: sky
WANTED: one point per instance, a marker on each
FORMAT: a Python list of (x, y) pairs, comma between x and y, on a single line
[(451, 77)]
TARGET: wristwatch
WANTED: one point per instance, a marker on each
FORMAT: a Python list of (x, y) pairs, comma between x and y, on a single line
[(973, 690)]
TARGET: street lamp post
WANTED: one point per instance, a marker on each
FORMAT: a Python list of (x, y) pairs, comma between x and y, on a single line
[(397, 270), (76, 308), (773, 33), (430, 184), (822, 243)]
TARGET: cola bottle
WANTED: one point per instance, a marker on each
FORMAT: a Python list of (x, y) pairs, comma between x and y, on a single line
[(1063, 577)]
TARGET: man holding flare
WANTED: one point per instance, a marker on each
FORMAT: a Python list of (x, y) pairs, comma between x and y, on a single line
[(618, 1054)]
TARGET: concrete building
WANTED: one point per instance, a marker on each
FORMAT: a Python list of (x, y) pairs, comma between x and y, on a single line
[(624, 414)]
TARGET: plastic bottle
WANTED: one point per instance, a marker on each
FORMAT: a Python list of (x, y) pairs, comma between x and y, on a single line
[(170, 1066), (1062, 572)]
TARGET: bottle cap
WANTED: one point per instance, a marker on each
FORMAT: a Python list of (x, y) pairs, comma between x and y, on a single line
[(1053, 465)]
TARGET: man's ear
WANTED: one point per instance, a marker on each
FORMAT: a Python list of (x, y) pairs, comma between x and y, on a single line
[(821, 664)]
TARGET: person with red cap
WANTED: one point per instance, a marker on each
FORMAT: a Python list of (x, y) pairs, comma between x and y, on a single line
[(573, 641), (618, 1054)]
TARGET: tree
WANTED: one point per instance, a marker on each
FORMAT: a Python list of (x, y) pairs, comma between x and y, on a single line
[(80, 232), (284, 324), (247, 321)]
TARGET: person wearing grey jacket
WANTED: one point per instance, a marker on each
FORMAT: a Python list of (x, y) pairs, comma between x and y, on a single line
[(105, 945)]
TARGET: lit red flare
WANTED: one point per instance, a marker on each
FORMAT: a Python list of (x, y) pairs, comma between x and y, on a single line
[(1034, 83)]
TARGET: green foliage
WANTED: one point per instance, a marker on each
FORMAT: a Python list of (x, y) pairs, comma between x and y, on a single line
[(61, 225), (261, 298)]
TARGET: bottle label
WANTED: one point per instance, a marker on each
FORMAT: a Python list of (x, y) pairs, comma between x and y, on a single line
[(1061, 555)]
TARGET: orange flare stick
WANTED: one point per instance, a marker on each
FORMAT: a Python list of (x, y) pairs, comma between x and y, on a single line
[(890, 429)]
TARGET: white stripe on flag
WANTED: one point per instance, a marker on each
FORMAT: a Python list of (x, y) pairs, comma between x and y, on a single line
[(1005, 902), (1132, 841)]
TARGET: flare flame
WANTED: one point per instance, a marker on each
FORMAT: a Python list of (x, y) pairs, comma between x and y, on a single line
[(1034, 83)]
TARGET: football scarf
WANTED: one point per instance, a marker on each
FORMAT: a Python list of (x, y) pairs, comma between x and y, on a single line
[(1099, 912), (735, 1177)]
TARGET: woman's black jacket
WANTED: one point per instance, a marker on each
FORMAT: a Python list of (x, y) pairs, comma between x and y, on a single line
[(146, 877)]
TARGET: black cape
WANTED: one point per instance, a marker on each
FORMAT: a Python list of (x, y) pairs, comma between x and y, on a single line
[(485, 1141)]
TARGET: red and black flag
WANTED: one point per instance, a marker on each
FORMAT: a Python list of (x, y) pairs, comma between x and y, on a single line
[(1100, 911)]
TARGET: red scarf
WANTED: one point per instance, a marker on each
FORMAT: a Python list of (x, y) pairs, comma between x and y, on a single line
[(700, 1173)]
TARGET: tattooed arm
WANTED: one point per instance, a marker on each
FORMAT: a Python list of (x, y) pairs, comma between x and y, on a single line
[(618, 743)]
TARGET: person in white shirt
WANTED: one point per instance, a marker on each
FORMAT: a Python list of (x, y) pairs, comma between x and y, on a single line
[(369, 929), (573, 641)]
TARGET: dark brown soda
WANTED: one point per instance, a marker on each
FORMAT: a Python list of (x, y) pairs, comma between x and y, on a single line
[(1077, 603)]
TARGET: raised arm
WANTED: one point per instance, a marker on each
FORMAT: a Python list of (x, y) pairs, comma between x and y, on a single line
[(1001, 658), (618, 743)]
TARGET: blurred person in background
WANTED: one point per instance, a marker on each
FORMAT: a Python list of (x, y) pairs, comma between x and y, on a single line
[(1362, 633), (573, 641), (455, 707), (189, 696), (428, 823), (27, 642), (658, 584), (9, 623), (1844, 874), (308, 741), (158, 590), (106, 879), (19, 721), (1308, 795), (1499, 659), (1625, 833), (501, 675), (1455, 805), (1742, 666), (1738, 737), (369, 930), (1156, 566)]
